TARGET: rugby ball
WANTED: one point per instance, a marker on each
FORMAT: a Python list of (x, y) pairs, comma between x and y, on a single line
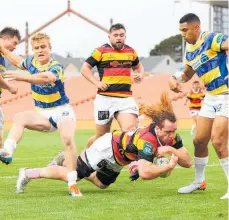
[(162, 161)]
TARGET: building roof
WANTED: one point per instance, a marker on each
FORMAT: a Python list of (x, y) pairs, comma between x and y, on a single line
[(151, 62)]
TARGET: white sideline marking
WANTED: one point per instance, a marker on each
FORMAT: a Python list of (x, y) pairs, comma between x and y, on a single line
[(124, 170)]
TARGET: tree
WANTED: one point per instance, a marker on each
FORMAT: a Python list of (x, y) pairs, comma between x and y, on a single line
[(171, 46)]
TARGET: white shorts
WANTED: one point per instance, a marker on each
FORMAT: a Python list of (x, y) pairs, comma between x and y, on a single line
[(102, 150), (105, 107), (57, 114), (215, 105), (194, 113), (1, 119)]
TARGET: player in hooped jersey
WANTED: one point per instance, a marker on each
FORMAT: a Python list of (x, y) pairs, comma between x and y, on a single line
[(206, 56), (53, 111), (9, 38), (115, 61), (103, 161)]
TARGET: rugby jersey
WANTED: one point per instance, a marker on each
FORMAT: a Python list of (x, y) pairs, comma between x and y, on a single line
[(195, 99), (2, 68), (139, 144), (50, 95), (114, 67), (209, 62)]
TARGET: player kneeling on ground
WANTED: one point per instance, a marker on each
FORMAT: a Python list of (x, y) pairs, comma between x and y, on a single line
[(102, 162)]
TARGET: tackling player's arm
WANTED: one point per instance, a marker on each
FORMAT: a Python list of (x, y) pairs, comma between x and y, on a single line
[(180, 77), (5, 85), (54, 73), (13, 58), (148, 171), (39, 78)]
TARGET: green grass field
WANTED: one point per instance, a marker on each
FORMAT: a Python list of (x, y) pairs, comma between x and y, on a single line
[(155, 199)]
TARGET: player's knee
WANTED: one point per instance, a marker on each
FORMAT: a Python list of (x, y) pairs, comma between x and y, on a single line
[(188, 164), (101, 186), (68, 140), (199, 142), (219, 139), (20, 119)]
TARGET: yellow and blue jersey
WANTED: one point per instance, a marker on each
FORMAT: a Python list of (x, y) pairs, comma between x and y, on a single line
[(209, 61), (2, 68), (50, 95)]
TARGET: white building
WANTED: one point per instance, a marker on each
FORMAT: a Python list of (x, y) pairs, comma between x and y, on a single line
[(218, 16)]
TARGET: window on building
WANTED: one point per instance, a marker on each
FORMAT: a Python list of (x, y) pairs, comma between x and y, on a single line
[(220, 19)]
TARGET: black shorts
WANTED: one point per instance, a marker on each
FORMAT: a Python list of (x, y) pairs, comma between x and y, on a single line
[(106, 176)]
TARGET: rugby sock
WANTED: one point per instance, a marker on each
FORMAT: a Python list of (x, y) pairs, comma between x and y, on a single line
[(10, 145), (200, 164), (33, 173), (225, 165), (72, 177)]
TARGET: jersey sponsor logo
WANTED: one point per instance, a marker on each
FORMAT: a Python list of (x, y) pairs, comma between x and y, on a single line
[(217, 108), (148, 148), (116, 63), (219, 38), (65, 113), (103, 115), (203, 59)]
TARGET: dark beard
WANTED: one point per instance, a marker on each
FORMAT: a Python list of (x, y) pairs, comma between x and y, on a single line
[(117, 46)]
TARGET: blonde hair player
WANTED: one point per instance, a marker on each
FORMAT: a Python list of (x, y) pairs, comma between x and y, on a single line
[(53, 111)]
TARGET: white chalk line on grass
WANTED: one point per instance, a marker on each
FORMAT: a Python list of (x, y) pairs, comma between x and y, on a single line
[(124, 170)]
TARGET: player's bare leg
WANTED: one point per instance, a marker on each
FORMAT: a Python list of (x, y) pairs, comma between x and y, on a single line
[(31, 120), (219, 140), (67, 129), (201, 140), (100, 131)]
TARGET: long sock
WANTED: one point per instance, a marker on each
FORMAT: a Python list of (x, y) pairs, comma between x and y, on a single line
[(33, 173), (72, 177), (200, 164), (10, 145), (225, 165)]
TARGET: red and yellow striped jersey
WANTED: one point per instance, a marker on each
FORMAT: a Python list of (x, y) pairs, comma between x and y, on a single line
[(139, 144), (114, 67), (195, 99)]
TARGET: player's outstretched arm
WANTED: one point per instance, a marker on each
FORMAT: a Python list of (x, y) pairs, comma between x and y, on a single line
[(39, 79), (5, 85), (149, 171), (13, 58)]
